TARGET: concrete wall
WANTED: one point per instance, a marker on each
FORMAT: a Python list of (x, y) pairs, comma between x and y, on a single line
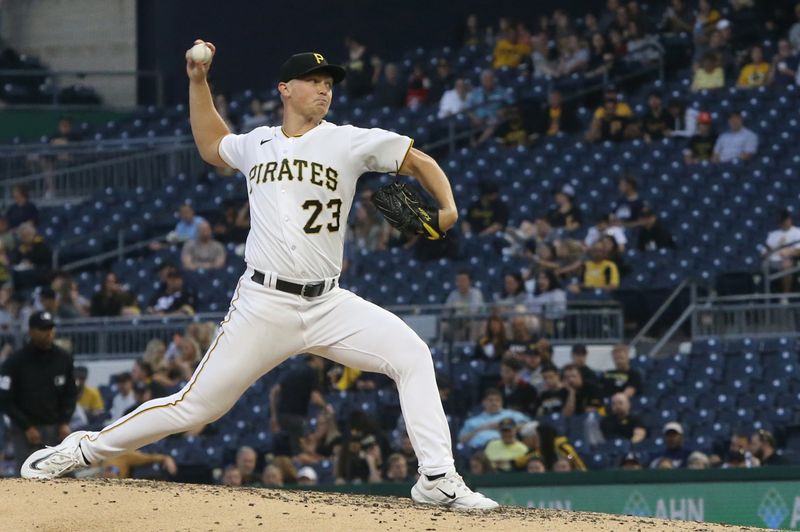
[(78, 35)]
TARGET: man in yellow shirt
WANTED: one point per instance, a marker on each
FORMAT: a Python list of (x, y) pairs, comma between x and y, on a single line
[(506, 450), (621, 109), (89, 398), (756, 72), (599, 272), (710, 74), (509, 51)]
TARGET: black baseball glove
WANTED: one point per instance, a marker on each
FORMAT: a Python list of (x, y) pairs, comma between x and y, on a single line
[(404, 209)]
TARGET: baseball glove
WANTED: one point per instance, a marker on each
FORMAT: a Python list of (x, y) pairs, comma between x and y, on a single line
[(404, 209)]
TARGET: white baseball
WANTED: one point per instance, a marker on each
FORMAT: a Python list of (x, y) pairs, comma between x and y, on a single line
[(200, 53)]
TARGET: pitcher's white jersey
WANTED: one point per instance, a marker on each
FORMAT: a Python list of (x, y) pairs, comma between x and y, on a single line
[(301, 190)]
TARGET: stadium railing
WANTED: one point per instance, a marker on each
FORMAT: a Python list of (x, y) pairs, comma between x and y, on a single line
[(770, 274), (748, 316)]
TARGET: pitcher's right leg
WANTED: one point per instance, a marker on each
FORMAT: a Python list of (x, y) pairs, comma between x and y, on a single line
[(254, 337)]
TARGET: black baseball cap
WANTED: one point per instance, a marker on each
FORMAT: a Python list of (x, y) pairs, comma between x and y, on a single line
[(507, 424), (41, 320), (305, 63)]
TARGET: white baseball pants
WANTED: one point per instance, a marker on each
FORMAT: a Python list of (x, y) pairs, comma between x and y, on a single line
[(263, 328)]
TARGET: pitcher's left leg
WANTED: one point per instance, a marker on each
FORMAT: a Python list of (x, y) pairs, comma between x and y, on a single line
[(356, 333)]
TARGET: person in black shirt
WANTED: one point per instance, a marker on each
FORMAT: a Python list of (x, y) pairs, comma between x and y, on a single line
[(628, 208), (582, 396), (656, 123), (173, 298), (442, 80), (579, 355), (391, 90), (111, 298), (517, 394), (622, 378), (290, 398), (762, 445), (554, 396), (621, 424), (565, 214), (38, 390), (234, 224), (361, 69), (489, 214), (652, 234), (701, 145), (22, 210)]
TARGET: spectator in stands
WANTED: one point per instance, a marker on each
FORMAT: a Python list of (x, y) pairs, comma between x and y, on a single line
[(540, 57), (738, 444), (37, 390), (22, 210), (31, 258), (621, 424), (736, 143), (643, 49), (121, 466), (223, 108), (397, 468), (322, 442), (174, 298), (627, 209), (234, 224), (203, 252), (465, 299), (271, 477), (709, 75), (631, 462), (111, 299), (390, 90), (698, 460), (677, 18), (656, 122), (794, 31), (7, 239), (358, 459), (755, 73), (623, 378), (49, 302), (574, 57), (554, 396), (605, 226), (582, 397), (563, 465), (291, 397), (533, 361), (783, 248), (363, 69), (521, 341), (601, 59), (652, 233), (762, 445), (480, 429), (246, 460), (556, 117), (784, 69), (513, 294), (124, 397), (613, 121), (675, 454), (565, 214), (514, 130), (454, 100), (580, 355), (598, 272), (509, 50), (256, 117), (202, 332), (70, 302), (484, 103), (543, 441), (493, 344), (231, 477), (479, 464), (489, 214), (188, 225), (549, 301), (701, 144), (442, 80), (89, 399), (517, 394), (507, 449)]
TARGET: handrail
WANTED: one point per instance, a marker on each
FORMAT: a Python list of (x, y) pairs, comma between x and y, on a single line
[(661, 310), (780, 274), (92, 146), (120, 252), (672, 330)]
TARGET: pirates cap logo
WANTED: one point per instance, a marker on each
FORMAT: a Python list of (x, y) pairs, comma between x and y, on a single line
[(319, 58)]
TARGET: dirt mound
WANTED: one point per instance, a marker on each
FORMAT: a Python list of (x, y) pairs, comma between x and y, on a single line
[(141, 506)]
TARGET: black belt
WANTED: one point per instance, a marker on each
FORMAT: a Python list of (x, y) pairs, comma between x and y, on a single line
[(314, 289)]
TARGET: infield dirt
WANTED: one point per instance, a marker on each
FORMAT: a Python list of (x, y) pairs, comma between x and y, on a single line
[(143, 506)]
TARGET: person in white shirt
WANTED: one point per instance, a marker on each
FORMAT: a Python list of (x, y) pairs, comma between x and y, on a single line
[(454, 100), (737, 143), (604, 227), (783, 248), (124, 399)]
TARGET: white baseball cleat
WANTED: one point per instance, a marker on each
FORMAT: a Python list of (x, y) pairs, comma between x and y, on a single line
[(54, 462), (450, 491)]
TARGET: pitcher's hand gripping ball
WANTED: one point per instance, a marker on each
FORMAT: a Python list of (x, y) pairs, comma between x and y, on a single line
[(404, 209)]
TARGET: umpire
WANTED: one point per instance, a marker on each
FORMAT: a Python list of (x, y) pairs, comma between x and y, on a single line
[(37, 390)]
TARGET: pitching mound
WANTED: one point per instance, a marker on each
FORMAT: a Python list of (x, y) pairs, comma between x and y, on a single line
[(106, 505)]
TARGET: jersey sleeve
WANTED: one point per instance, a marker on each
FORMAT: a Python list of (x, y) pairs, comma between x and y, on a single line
[(232, 149), (378, 150)]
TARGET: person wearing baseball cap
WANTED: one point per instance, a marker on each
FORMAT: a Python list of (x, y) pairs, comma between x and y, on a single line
[(505, 451), (674, 451), (306, 476), (701, 144), (37, 389)]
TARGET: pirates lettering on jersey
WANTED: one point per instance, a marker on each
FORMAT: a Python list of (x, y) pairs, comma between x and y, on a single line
[(294, 170)]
